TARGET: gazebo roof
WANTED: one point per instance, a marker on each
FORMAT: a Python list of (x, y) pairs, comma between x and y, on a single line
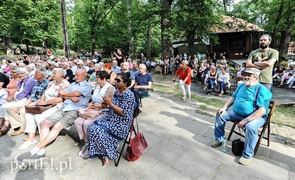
[(232, 24)]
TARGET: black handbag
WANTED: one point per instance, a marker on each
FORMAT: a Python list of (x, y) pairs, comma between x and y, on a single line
[(237, 147)]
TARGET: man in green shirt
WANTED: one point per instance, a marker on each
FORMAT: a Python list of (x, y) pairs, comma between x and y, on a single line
[(264, 59)]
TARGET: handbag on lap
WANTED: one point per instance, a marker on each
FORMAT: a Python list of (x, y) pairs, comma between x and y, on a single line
[(87, 113), (38, 109)]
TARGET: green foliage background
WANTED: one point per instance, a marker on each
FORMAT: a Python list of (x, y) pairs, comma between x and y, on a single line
[(103, 24)]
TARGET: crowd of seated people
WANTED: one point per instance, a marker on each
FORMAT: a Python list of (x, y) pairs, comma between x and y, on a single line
[(71, 87), (286, 75)]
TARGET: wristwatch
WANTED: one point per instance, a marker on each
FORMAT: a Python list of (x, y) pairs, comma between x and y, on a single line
[(247, 120)]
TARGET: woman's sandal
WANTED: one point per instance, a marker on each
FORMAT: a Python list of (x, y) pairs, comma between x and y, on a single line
[(85, 154), (105, 161), (4, 129), (83, 149)]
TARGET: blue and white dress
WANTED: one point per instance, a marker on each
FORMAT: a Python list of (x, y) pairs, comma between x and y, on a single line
[(105, 133)]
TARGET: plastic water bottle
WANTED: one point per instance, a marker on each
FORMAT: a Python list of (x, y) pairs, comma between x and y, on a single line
[(224, 147)]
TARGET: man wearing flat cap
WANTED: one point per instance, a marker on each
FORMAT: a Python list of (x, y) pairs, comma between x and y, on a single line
[(249, 107)]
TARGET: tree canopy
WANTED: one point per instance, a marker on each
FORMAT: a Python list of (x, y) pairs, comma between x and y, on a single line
[(146, 26)]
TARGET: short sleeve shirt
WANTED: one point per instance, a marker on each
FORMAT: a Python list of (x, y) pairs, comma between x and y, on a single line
[(183, 73), (143, 79), (38, 90), (244, 99), (85, 89), (259, 56)]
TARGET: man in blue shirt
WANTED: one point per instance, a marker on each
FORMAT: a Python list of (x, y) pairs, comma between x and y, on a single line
[(75, 97), (143, 82), (135, 70), (250, 113), (115, 67)]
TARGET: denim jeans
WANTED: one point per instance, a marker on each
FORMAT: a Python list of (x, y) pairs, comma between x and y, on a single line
[(211, 83), (139, 94), (222, 85), (251, 129)]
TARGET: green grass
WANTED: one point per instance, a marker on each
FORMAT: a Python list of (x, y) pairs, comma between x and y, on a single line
[(210, 101), (284, 115), (165, 89)]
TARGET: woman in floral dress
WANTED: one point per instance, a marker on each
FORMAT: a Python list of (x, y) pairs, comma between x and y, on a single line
[(105, 133)]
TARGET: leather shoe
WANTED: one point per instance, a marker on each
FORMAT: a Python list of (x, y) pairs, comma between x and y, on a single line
[(4, 129), (216, 144), (18, 132), (26, 138)]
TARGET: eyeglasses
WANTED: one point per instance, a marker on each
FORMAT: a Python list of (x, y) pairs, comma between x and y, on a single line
[(118, 80)]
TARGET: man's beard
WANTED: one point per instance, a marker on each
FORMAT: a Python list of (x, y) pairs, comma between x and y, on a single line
[(263, 46), (247, 82)]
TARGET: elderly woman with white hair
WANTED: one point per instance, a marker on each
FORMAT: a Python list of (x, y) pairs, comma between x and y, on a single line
[(51, 96), (97, 67), (25, 87), (31, 69)]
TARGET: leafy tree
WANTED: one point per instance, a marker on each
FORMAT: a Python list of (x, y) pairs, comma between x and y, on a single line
[(276, 17), (193, 21), (91, 19), (31, 21)]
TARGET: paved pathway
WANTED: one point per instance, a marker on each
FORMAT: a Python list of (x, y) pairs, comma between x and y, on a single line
[(178, 139)]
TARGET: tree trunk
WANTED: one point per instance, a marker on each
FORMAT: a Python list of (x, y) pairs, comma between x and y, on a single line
[(165, 28), (284, 42), (7, 40), (148, 48), (131, 37), (286, 32), (27, 46), (65, 29), (275, 29), (190, 42), (92, 42)]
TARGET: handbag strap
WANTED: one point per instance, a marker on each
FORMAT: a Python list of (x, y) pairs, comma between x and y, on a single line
[(132, 126)]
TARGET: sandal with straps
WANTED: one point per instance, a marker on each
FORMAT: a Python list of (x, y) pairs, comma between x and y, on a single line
[(4, 129), (83, 149), (85, 155)]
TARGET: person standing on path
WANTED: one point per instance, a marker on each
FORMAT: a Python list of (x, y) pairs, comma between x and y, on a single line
[(264, 59), (185, 79)]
